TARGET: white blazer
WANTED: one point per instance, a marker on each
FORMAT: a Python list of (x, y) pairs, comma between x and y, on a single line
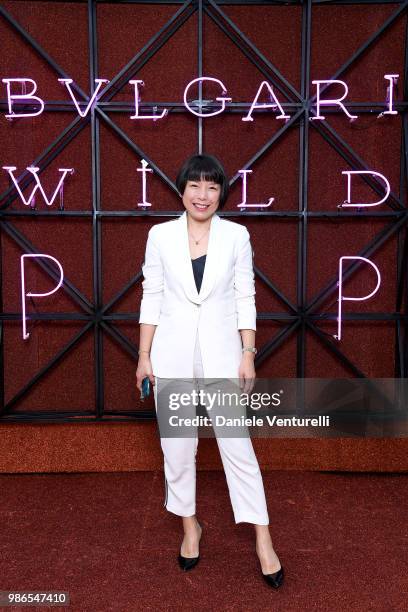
[(225, 304)]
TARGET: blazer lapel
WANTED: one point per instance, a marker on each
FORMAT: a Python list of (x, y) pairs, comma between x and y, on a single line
[(210, 269)]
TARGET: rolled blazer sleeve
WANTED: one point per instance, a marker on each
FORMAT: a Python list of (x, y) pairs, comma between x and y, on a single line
[(244, 283), (153, 283)]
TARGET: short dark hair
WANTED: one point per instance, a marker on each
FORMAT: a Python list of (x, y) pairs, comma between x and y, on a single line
[(203, 167)]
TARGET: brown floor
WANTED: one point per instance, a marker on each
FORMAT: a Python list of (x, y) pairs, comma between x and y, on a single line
[(107, 540)]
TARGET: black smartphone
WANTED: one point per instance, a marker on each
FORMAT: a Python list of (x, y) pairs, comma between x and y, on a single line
[(145, 388)]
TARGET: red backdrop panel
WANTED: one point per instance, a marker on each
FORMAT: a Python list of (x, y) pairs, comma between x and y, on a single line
[(122, 31)]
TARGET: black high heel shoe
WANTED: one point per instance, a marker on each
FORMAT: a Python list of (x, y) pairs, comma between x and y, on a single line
[(274, 580), (187, 563)]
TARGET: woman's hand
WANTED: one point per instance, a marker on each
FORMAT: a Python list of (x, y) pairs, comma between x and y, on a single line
[(246, 372), (144, 368)]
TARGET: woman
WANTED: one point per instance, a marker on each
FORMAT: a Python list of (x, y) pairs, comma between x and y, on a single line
[(198, 321)]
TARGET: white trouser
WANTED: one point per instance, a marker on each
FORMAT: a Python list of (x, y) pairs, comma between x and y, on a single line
[(240, 464)]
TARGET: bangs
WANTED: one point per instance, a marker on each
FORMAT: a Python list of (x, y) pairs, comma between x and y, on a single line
[(204, 170)]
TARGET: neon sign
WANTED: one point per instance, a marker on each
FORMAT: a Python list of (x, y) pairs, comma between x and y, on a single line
[(343, 298), (137, 100), (331, 102), (23, 96), (244, 203), (221, 99), (144, 204), (393, 79), (29, 97), (273, 104), (348, 201), (144, 169), (31, 200), (24, 294), (68, 82)]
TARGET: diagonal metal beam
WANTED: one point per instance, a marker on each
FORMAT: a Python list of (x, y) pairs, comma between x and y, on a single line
[(41, 52), (136, 149), (53, 362), (238, 42), (27, 178), (372, 247), (43, 160), (267, 349), (149, 49), (241, 36), (334, 349), (118, 296), (290, 123), (275, 290), (120, 338), (355, 161), (363, 48), (73, 292), (108, 90)]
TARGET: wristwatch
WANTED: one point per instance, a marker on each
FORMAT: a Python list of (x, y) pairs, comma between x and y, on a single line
[(251, 349)]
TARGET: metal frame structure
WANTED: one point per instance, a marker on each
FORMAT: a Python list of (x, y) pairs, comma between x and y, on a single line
[(303, 315)]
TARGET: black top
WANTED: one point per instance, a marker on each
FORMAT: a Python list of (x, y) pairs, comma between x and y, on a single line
[(198, 269)]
